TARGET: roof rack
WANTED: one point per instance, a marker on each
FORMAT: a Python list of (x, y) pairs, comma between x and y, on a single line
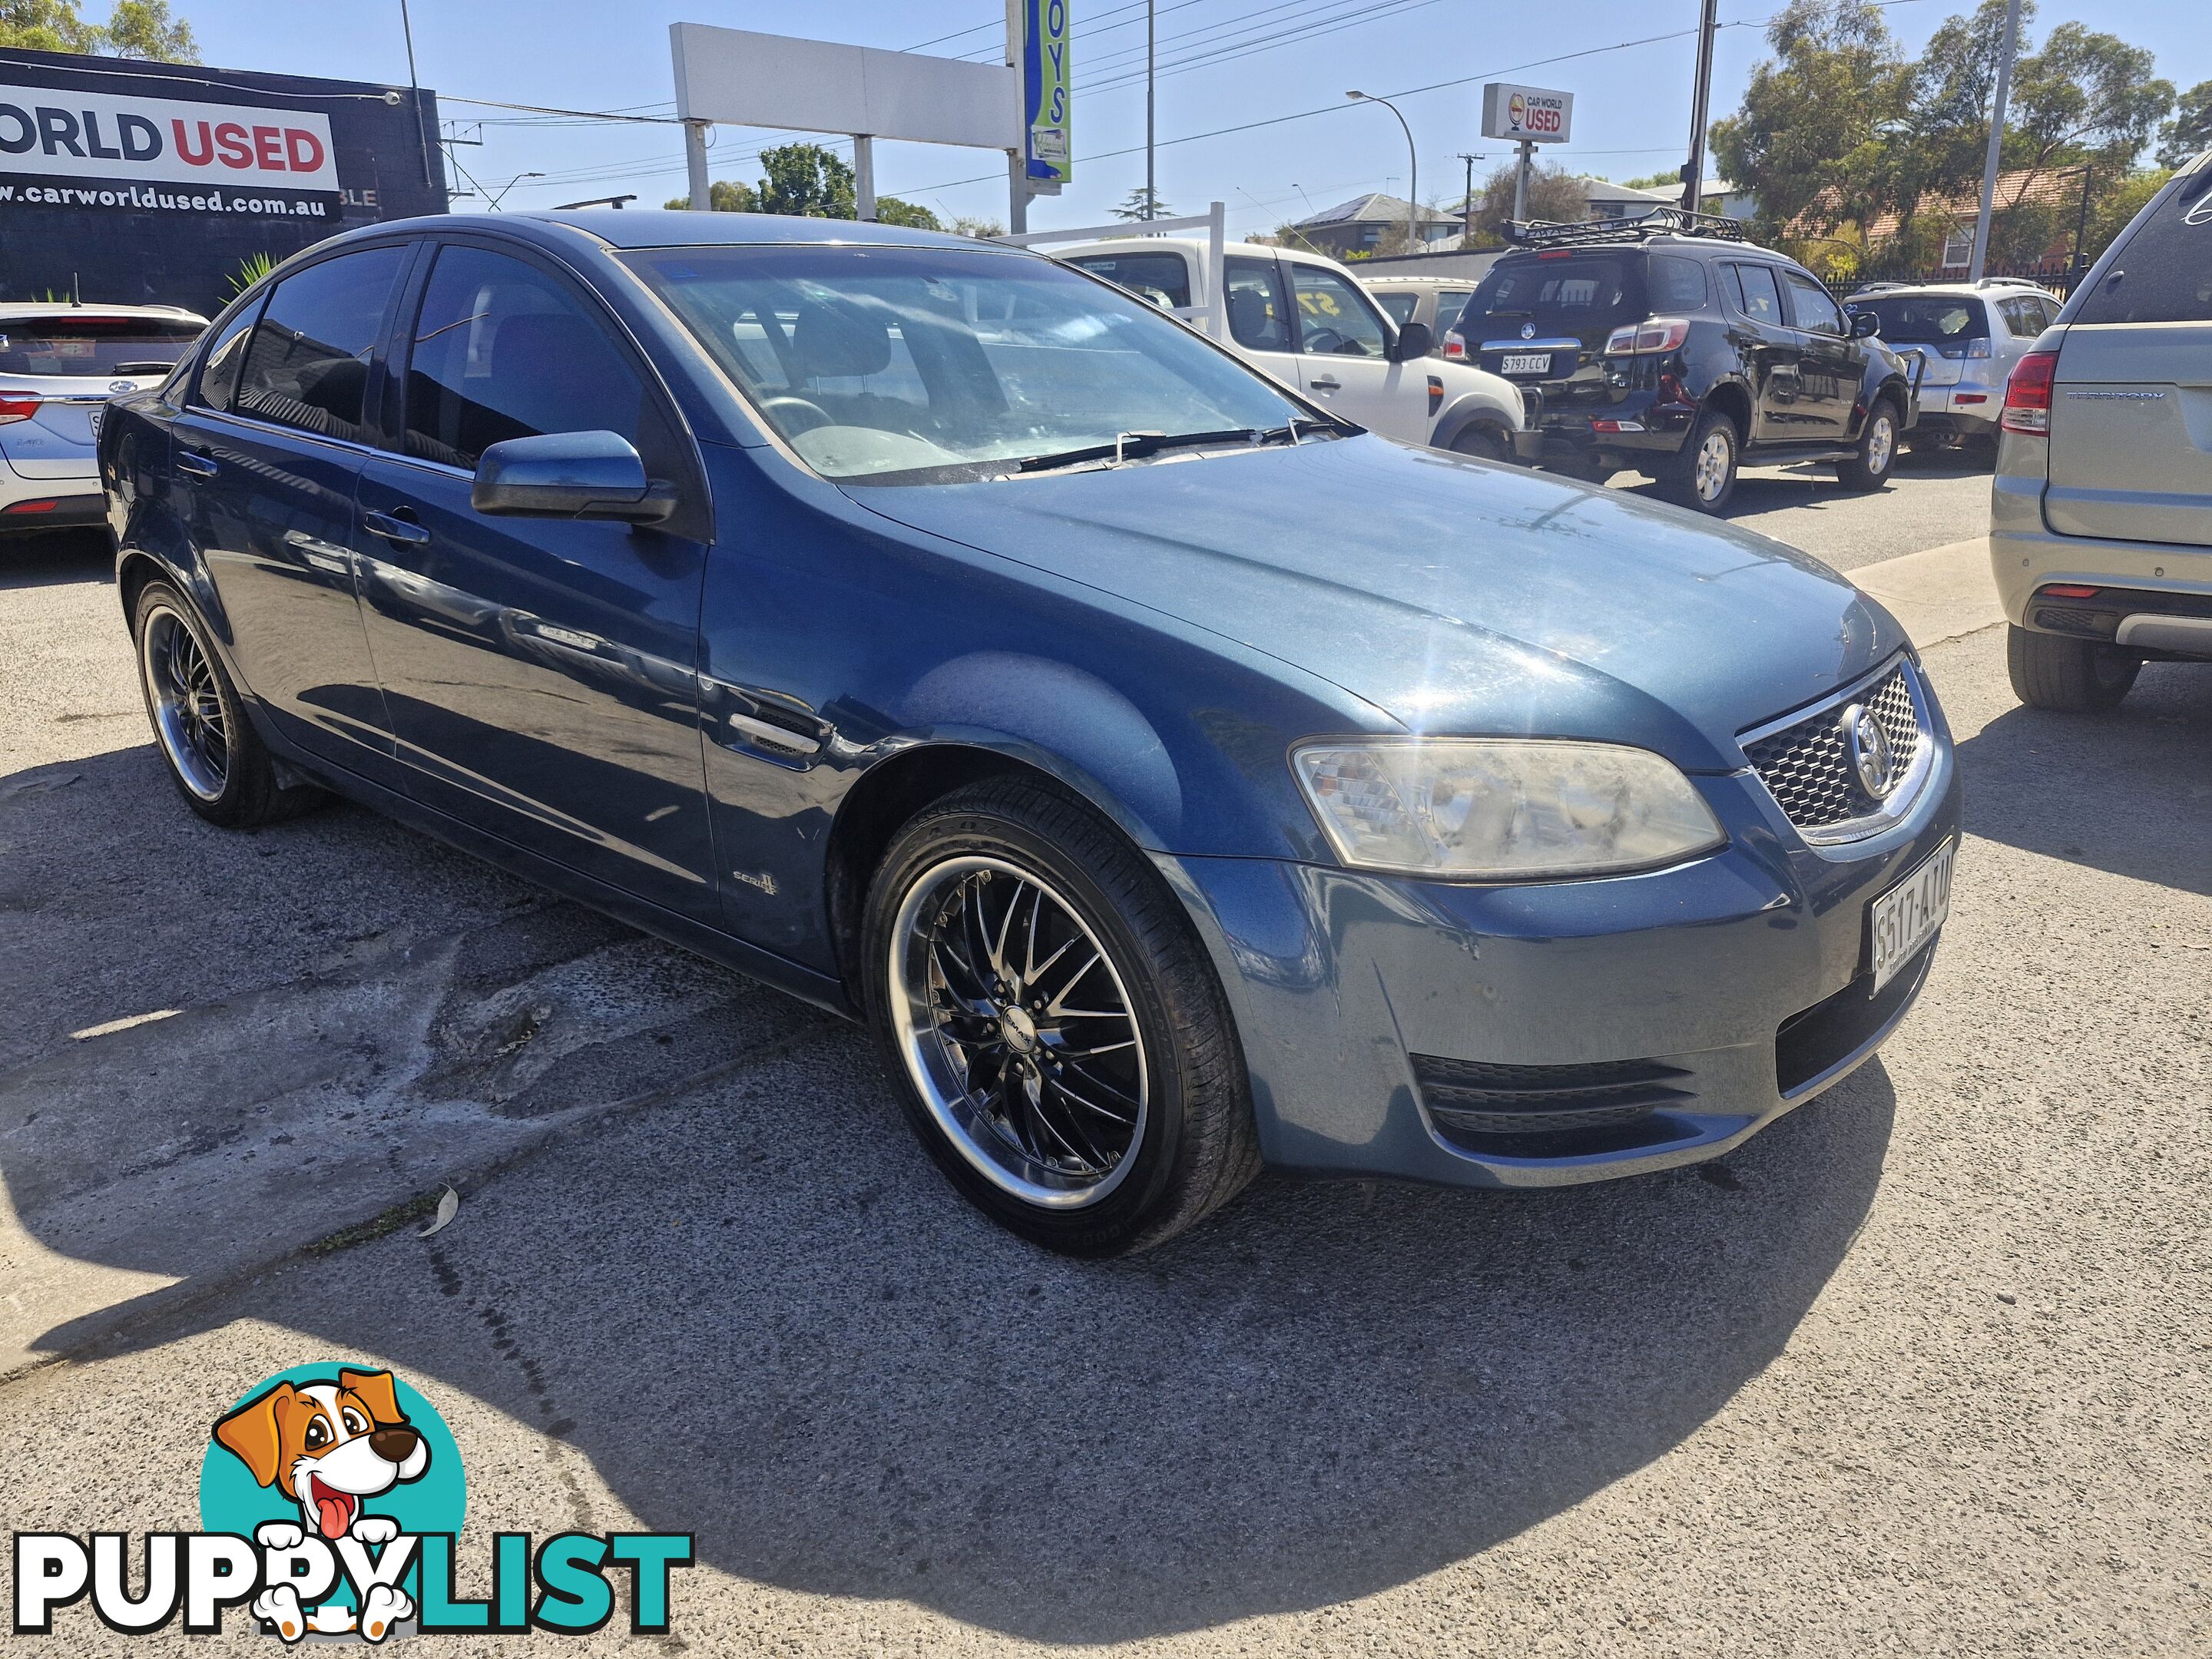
[(1659, 222)]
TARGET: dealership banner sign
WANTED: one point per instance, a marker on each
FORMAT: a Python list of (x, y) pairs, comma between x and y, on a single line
[(68, 148), (1045, 94), (1528, 115)]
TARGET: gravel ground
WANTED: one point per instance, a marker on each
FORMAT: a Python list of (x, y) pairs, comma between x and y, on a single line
[(1920, 1371)]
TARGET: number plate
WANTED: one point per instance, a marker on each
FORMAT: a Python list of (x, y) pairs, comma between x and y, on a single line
[(1907, 916), (96, 413), (1525, 362)]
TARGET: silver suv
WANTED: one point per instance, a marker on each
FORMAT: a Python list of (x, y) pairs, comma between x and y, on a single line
[(1969, 335), (2100, 527)]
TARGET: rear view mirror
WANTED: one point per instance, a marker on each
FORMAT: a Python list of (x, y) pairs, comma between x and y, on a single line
[(570, 475), (1414, 340), (1864, 324)]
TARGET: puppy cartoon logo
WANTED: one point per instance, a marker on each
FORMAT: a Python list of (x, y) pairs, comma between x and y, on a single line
[(327, 1445)]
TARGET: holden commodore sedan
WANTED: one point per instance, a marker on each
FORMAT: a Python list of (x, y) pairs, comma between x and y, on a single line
[(1177, 778)]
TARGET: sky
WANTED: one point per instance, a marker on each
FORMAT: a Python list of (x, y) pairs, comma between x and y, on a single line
[(1279, 58)]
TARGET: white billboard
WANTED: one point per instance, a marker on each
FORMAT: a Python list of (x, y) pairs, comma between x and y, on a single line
[(816, 86), (108, 137), (1532, 115)]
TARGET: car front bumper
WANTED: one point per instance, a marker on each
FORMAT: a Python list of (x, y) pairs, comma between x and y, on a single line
[(1739, 983)]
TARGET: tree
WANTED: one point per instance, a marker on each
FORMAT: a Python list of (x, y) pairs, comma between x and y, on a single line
[(1141, 204), (1809, 137), (1554, 193), (723, 195), (889, 211), (136, 28), (1655, 181), (2191, 129), (811, 183), (2086, 96), (969, 224)]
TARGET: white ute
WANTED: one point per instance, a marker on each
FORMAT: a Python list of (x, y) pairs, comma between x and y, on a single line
[(1301, 319)]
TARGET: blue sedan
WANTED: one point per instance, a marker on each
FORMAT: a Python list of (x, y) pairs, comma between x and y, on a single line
[(1177, 778)]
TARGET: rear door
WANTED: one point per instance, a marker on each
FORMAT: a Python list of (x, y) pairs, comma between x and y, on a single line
[(1259, 317), (1344, 355), (2131, 405), (1769, 350), (267, 456)]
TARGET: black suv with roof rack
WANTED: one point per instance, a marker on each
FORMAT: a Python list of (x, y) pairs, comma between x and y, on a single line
[(1674, 345)]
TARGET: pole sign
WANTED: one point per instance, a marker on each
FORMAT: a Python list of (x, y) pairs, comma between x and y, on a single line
[(1045, 92), (1527, 115)]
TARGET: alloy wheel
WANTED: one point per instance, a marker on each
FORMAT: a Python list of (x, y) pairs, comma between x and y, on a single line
[(1712, 469), (187, 704), (1880, 444), (1016, 1029)]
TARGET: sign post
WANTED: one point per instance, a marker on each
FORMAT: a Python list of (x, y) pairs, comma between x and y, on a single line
[(1529, 116)]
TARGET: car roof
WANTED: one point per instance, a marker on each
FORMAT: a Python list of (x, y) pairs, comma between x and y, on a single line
[(681, 227), (1422, 281), (39, 311), (1195, 245), (1991, 289)]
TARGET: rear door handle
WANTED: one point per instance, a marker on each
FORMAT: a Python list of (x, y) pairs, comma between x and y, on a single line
[(405, 531), (197, 467)]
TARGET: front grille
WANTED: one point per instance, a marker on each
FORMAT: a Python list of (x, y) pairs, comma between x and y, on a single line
[(1548, 1111), (1808, 768)]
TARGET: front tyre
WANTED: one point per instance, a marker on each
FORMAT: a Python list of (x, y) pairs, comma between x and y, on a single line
[(1060, 1044), (1877, 459), (215, 757), (2080, 676)]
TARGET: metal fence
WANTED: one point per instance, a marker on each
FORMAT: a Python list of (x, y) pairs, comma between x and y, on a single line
[(2058, 279)]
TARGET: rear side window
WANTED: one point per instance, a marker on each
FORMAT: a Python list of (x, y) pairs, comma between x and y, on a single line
[(1449, 303), (1756, 296), (308, 365), (1163, 278), (94, 345), (1258, 317), (1677, 284), (219, 373), (2163, 273)]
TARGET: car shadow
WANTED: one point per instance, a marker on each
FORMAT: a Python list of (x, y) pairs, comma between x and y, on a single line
[(766, 1319), (54, 558), (2106, 791)]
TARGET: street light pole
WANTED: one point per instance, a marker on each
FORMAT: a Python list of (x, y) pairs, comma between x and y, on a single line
[(500, 195), (1413, 166), (1997, 143), (1467, 201), (1152, 179)]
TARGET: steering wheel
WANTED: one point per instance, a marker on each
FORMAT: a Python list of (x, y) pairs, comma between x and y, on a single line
[(813, 415), (1326, 341)]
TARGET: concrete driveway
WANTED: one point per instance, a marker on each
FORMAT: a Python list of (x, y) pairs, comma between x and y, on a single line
[(1922, 1369)]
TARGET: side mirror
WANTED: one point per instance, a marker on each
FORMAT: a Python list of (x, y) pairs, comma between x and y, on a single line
[(1865, 324), (1414, 340), (570, 475)]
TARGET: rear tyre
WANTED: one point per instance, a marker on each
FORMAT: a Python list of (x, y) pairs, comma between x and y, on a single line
[(1059, 1042), (215, 757), (1702, 477), (2080, 676), (1482, 443), (1877, 455)]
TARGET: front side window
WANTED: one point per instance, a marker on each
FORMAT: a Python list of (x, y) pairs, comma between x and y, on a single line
[(930, 365), (1815, 311), (104, 346), (502, 350), (1756, 295), (1163, 278), (308, 365), (1335, 319), (1259, 320)]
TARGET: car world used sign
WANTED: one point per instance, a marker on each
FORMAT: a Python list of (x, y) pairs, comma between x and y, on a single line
[(86, 149), (1533, 115)]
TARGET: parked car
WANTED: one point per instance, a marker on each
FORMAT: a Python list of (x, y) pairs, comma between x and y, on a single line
[(1968, 336), (1673, 346), (1177, 778), (1434, 302), (2101, 517), (1304, 320), (59, 364)]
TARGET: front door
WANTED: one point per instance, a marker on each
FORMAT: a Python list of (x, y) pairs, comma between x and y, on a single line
[(267, 451), (1343, 352), (541, 673), (1832, 363), (1770, 349)]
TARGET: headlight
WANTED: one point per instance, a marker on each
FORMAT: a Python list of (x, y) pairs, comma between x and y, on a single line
[(1502, 809)]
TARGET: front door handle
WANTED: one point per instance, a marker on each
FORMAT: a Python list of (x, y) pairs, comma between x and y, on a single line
[(197, 466), (393, 528), (1327, 383)]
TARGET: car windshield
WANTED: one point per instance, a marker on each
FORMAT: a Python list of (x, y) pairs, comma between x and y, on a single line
[(930, 365), (1924, 318), (94, 345), (1559, 293)]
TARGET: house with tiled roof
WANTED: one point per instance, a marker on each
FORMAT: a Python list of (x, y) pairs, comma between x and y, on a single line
[(1362, 224), (2059, 188)]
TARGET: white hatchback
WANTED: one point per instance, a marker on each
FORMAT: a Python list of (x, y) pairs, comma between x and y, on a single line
[(59, 364), (1304, 320)]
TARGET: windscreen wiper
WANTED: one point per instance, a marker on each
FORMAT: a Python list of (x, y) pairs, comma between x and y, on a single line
[(1134, 446), (1294, 431)]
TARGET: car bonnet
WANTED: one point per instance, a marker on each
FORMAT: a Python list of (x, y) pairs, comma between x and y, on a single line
[(1457, 597)]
